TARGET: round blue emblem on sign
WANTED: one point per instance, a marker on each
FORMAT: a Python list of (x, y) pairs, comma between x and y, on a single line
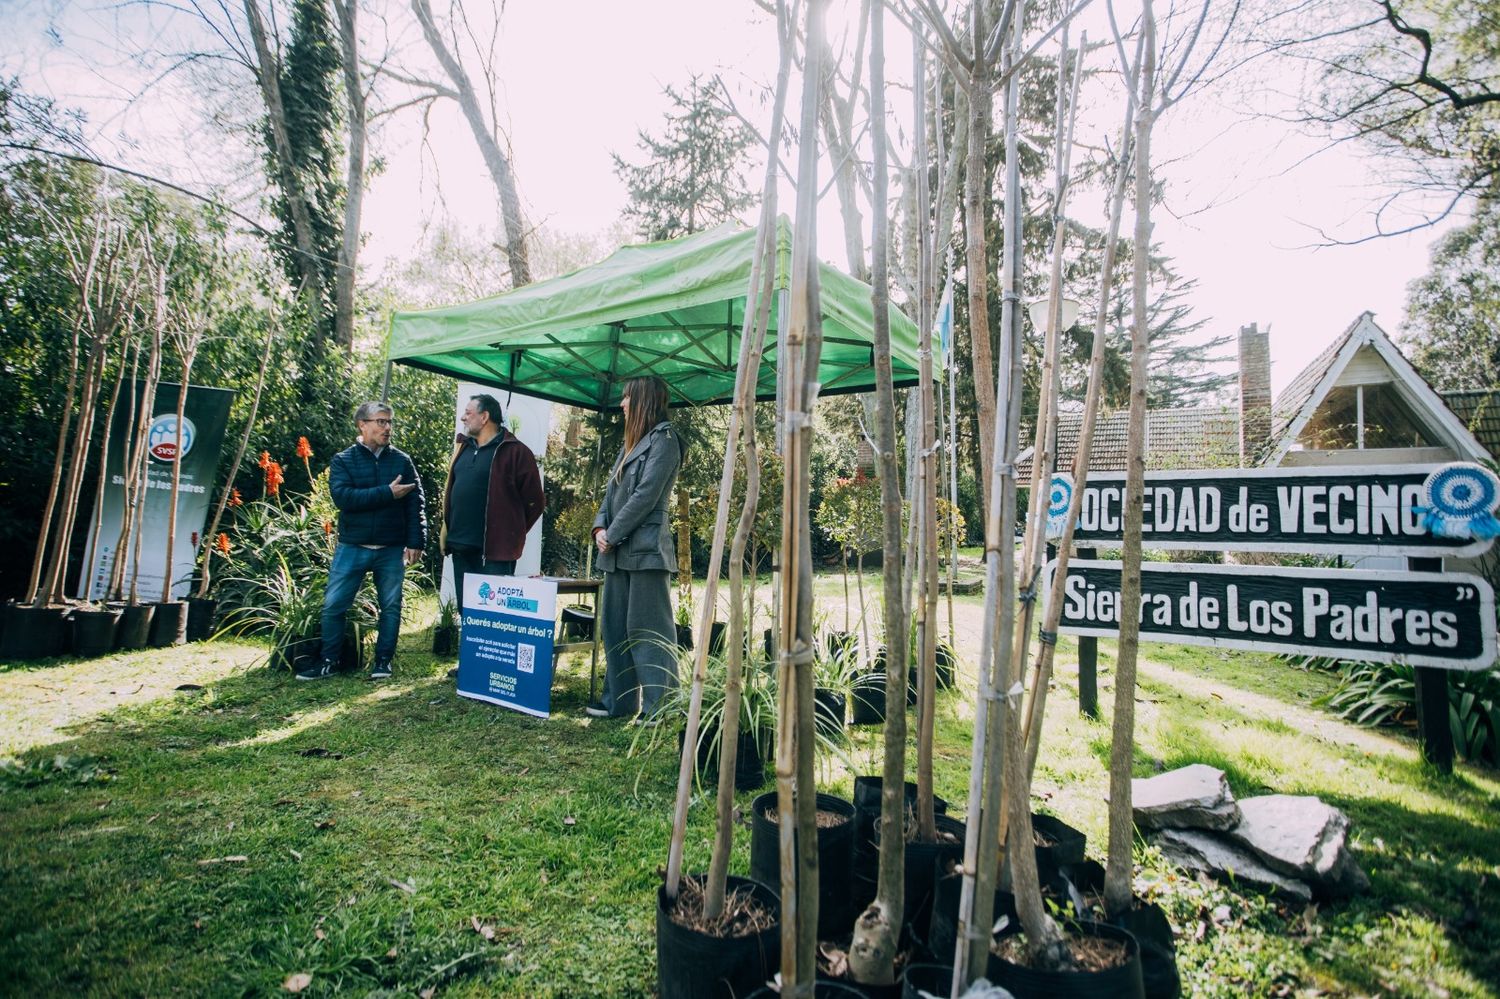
[(161, 439), (1459, 501), (1059, 499)]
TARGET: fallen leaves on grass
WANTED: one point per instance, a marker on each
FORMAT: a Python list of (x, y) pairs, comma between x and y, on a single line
[(410, 889), (489, 932), (325, 823), (568, 820), (238, 858), (298, 982), (320, 753)]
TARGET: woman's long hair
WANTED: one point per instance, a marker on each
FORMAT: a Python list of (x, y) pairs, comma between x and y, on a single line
[(648, 407)]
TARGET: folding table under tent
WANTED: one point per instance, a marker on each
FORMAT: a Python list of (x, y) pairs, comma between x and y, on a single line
[(673, 308)]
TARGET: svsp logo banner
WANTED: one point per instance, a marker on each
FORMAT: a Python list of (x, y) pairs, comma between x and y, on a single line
[(507, 630)]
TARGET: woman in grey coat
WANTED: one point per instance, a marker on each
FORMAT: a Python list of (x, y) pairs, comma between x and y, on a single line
[(636, 554)]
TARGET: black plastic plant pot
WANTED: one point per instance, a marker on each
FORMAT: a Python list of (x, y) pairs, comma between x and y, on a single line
[(947, 666), (168, 624), (35, 632), (578, 623), (837, 643), (685, 637), (1121, 982), (444, 640), (135, 626), (351, 653), (923, 861), (835, 858), (867, 814), (717, 638), (1059, 845), (749, 763), (932, 979), (693, 965), (200, 622), (829, 709), (867, 698), (942, 927), (94, 631), (1152, 931), (299, 652)]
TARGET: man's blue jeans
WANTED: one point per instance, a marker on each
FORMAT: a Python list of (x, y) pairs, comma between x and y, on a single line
[(350, 563)]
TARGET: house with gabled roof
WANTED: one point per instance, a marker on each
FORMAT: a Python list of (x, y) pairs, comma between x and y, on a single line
[(1360, 402)]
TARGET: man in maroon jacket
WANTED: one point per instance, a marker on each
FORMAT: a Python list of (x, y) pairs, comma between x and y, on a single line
[(493, 495)]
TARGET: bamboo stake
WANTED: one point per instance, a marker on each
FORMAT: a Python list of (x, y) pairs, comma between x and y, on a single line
[(113, 590)]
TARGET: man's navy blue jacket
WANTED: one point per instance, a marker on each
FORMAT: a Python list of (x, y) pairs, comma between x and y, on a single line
[(368, 513)]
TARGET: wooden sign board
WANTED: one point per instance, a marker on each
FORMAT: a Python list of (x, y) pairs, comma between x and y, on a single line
[(1423, 619), (1370, 510)]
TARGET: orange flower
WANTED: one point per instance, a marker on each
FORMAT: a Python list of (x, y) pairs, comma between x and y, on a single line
[(327, 527), (222, 544), (265, 459), (274, 479), (235, 499), (304, 449)]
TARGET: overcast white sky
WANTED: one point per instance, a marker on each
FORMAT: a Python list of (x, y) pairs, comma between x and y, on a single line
[(579, 78)]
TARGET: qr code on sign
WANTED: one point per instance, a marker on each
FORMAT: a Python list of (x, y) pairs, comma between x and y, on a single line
[(526, 658)]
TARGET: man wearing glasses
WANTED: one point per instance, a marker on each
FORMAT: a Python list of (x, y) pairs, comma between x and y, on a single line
[(382, 529)]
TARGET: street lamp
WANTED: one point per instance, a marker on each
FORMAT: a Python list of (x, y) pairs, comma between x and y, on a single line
[(1038, 312)]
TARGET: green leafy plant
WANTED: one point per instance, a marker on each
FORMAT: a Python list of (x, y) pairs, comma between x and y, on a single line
[(1386, 694)]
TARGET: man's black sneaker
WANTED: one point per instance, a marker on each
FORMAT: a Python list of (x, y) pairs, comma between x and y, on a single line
[(596, 710), (318, 671), (381, 669)]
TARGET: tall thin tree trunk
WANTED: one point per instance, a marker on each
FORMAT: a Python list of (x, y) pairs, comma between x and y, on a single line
[(873, 950), (268, 77), (795, 790), (34, 592), (495, 159), (729, 722), (182, 394), (1091, 406), (976, 265), (766, 251), (346, 12), (924, 509), (85, 583), (1117, 871)]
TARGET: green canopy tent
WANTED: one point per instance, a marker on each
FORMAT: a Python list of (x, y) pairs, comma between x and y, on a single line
[(673, 309)]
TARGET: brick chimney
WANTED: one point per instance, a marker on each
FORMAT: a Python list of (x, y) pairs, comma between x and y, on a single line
[(1255, 395)]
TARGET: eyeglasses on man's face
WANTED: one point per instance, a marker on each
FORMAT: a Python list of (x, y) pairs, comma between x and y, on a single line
[(383, 422)]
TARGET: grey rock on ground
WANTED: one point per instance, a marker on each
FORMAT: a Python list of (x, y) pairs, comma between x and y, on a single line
[(1301, 836), (1191, 797), (1210, 854)]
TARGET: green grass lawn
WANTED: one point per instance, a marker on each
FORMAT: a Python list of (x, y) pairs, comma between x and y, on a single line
[(217, 840)]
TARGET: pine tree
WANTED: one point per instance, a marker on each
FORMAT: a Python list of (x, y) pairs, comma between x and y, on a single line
[(693, 177)]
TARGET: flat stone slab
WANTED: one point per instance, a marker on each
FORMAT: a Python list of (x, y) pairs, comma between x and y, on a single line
[(1210, 853), (1196, 796), (1300, 836)]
